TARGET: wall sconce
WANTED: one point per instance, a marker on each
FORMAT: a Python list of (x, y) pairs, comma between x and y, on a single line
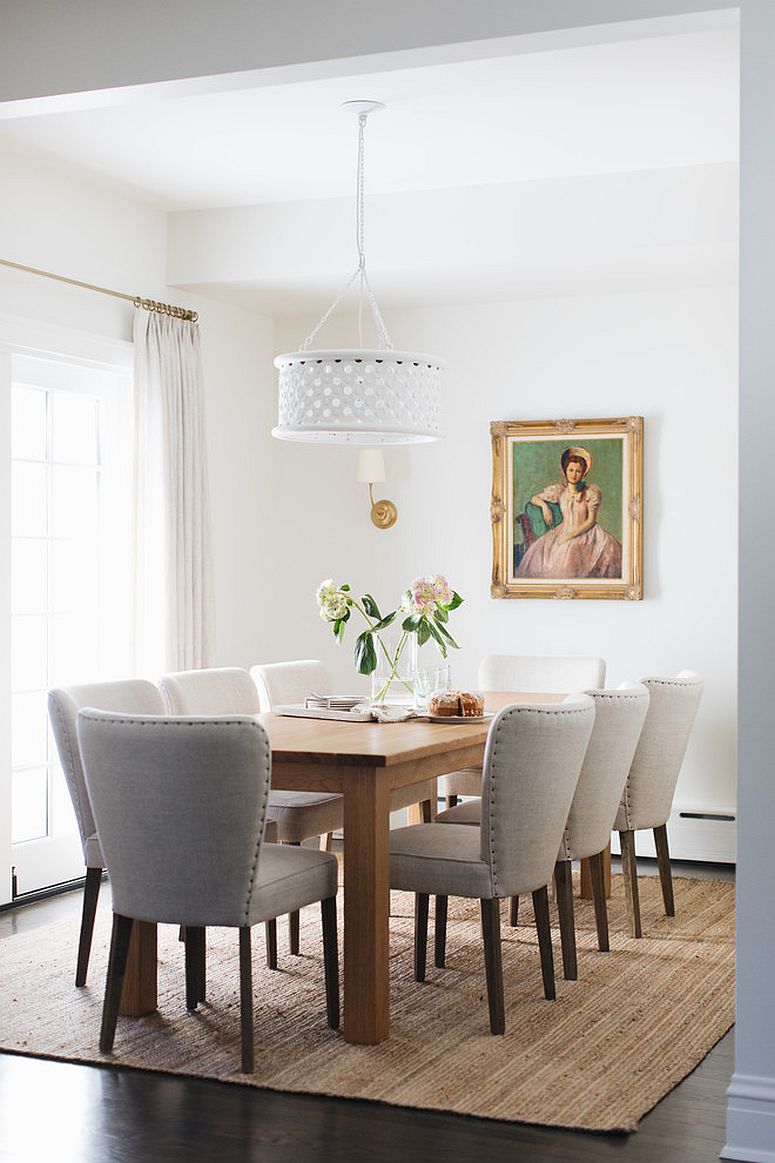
[(371, 471)]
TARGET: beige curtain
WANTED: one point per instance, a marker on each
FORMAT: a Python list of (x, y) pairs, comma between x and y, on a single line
[(173, 608)]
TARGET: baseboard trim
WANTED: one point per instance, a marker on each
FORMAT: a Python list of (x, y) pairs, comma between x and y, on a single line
[(750, 1119)]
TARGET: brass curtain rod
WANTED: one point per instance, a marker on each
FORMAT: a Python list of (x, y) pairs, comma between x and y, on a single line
[(136, 300)]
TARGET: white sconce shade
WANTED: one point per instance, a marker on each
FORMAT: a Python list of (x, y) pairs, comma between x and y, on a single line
[(371, 467)]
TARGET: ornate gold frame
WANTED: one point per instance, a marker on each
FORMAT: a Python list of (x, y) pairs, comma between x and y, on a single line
[(504, 585)]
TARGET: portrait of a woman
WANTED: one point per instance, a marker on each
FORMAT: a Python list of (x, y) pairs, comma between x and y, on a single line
[(575, 545)]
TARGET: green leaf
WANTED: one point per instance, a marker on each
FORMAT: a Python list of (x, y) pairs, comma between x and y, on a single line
[(344, 587), (436, 633), (364, 653), (385, 622), (423, 633), (448, 637), (411, 623), (371, 607), (456, 601), (345, 616), (441, 614)]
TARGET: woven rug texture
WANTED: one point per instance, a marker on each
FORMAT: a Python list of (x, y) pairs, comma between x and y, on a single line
[(636, 1022)]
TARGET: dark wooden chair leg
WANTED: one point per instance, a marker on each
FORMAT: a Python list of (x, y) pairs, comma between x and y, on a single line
[(493, 964), (420, 934), (270, 931), (293, 922), (597, 875), (293, 934), (195, 966), (246, 999), (665, 875), (119, 948), (331, 960), (564, 886), (541, 910), (630, 875), (514, 911), (440, 932), (91, 894)]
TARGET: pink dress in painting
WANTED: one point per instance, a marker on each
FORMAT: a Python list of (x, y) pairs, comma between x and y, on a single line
[(594, 553)]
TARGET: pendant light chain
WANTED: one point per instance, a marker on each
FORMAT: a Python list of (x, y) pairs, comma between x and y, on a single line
[(359, 273)]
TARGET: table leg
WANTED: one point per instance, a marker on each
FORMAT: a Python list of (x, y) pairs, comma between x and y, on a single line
[(586, 875), (366, 907), (138, 997)]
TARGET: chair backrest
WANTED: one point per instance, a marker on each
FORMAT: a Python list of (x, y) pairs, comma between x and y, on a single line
[(180, 806), (285, 683), (619, 718), (531, 767), (648, 792), (216, 691), (135, 696), (515, 672)]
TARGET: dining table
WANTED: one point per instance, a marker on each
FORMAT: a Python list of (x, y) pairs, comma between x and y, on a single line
[(365, 762)]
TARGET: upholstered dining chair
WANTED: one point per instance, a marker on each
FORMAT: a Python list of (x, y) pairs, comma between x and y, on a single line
[(619, 718), (134, 696), (286, 683), (517, 672), (532, 762), (648, 792), (296, 816), (211, 777)]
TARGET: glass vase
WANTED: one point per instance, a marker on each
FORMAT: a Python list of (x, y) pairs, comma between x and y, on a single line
[(393, 680)]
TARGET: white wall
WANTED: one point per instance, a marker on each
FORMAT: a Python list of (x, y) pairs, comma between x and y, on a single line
[(670, 357), (58, 220)]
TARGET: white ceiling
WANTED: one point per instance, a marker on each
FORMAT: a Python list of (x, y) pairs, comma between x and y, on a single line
[(630, 105)]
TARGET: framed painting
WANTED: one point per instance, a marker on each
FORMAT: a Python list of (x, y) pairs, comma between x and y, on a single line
[(566, 510)]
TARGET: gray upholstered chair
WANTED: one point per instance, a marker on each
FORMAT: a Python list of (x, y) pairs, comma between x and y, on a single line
[(134, 696), (517, 672), (286, 683), (211, 777), (619, 717), (296, 816), (532, 762), (650, 786)]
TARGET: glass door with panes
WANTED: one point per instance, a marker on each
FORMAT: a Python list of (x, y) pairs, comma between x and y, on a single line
[(69, 556)]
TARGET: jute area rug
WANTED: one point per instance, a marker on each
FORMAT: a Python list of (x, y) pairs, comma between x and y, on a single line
[(637, 1021)]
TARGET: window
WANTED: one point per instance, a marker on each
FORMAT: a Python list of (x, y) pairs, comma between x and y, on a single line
[(70, 615)]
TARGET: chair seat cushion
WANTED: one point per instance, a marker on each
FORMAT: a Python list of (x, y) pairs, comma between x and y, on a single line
[(468, 813), (443, 859), (466, 782), (287, 878), (301, 814)]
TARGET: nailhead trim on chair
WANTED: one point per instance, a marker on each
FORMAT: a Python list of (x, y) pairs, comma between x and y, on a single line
[(508, 715), (162, 722)]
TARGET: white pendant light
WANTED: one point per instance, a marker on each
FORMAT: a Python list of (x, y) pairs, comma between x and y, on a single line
[(359, 395)]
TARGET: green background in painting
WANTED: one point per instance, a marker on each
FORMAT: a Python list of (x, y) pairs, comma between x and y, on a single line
[(536, 465)]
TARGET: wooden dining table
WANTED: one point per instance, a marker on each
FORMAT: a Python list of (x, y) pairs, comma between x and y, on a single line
[(364, 762)]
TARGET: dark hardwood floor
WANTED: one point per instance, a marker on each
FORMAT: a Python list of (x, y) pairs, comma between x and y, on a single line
[(87, 1114)]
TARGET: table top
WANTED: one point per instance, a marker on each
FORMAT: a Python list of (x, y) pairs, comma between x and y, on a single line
[(296, 740)]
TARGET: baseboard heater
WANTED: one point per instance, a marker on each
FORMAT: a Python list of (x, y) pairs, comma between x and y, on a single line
[(708, 835)]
